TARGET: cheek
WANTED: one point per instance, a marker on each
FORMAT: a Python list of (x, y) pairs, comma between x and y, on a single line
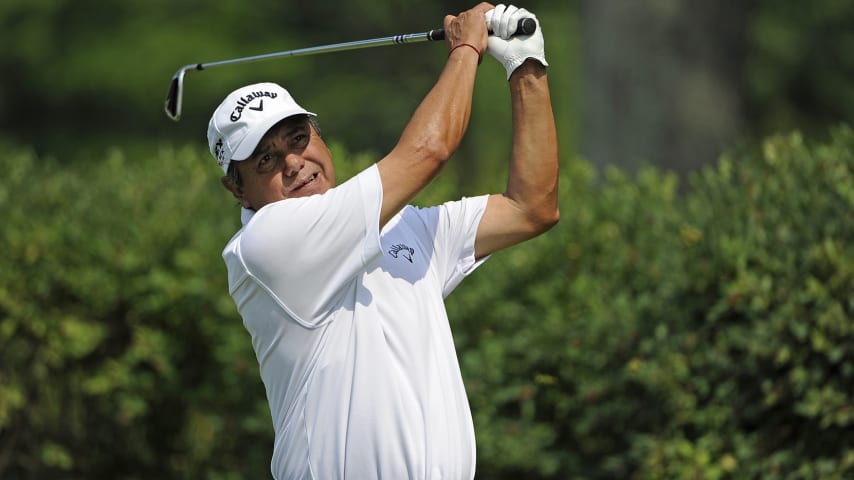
[(265, 188), (325, 157), (330, 174)]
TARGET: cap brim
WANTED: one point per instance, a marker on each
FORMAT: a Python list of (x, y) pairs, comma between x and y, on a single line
[(250, 142)]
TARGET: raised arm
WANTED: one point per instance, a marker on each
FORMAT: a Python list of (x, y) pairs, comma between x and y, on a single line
[(529, 206), (436, 128)]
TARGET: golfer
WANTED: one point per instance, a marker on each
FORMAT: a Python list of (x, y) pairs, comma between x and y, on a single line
[(342, 286)]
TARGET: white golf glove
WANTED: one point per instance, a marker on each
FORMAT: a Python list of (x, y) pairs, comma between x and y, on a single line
[(509, 50)]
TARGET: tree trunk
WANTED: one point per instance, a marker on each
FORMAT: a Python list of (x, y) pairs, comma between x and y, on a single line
[(661, 81)]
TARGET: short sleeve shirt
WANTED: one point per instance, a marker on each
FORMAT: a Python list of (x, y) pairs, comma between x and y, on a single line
[(349, 327)]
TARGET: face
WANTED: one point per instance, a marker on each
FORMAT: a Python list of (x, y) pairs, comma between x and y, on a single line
[(290, 161)]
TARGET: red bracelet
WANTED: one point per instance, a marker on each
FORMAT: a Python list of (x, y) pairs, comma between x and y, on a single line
[(479, 53)]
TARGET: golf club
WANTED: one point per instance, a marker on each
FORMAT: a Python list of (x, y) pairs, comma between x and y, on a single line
[(174, 98)]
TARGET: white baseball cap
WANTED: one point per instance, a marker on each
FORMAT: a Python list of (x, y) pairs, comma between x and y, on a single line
[(239, 122)]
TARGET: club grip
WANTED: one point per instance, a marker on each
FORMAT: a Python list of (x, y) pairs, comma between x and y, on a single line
[(526, 26)]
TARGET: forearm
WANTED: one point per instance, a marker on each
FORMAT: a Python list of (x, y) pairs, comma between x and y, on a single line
[(533, 177), (440, 121), (433, 133), (529, 206), (436, 128)]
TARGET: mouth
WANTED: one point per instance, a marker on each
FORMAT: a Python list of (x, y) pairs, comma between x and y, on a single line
[(307, 181)]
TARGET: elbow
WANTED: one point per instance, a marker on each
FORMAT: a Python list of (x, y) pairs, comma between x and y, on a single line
[(439, 150), (535, 218), (547, 220), (555, 218), (541, 221), (428, 151), (435, 157), (439, 143), (440, 154), (431, 142)]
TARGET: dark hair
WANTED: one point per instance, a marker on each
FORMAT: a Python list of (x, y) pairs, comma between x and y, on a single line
[(313, 121), (234, 175)]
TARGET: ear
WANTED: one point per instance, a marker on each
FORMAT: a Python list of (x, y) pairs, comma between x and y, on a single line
[(229, 185)]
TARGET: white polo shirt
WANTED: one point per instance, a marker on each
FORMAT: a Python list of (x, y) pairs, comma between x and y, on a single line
[(351, 334)]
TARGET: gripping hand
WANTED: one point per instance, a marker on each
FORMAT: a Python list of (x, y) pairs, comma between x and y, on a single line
[(508, 49)]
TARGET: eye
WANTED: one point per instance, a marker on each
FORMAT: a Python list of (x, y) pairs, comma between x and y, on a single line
[(266, 162), (300, 140)]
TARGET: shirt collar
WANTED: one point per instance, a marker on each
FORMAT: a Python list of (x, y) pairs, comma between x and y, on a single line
[(246, 215)]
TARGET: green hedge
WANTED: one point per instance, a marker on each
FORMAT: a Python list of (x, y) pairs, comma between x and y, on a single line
[(662, 335), (122, 357), (651, 334)]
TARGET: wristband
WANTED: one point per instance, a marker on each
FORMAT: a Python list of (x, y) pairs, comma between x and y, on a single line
[(479, 53)]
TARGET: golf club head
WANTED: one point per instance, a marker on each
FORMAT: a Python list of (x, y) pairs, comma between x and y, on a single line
[(175, 96)]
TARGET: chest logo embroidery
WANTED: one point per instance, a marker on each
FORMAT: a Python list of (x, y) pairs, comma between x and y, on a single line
[(401, 250)]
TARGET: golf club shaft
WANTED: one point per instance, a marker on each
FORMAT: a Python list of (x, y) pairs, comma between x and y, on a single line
[(174, 98)]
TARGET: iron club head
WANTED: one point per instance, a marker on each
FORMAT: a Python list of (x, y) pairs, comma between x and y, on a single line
[(175, 96)]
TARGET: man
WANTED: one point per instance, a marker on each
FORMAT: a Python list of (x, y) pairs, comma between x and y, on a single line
[(342, 287)]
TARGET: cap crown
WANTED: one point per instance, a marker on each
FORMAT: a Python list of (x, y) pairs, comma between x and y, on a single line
[(242, 119)]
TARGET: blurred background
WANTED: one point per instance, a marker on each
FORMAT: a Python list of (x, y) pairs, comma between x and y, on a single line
[(690, 317)]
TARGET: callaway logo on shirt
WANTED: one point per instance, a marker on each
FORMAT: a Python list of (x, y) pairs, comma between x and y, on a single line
[(402, 250)]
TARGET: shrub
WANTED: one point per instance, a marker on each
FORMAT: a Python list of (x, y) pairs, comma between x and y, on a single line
[(651, 334), (656, 335), (122, 354)]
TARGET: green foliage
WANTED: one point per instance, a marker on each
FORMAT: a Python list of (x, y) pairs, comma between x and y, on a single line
[(797, 70), (86, 70), (650, 334), (777, 325), (122, 355), (553, 333), (653, 335)]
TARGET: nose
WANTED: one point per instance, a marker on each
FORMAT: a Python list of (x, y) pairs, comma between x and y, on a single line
[(293, 164)]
